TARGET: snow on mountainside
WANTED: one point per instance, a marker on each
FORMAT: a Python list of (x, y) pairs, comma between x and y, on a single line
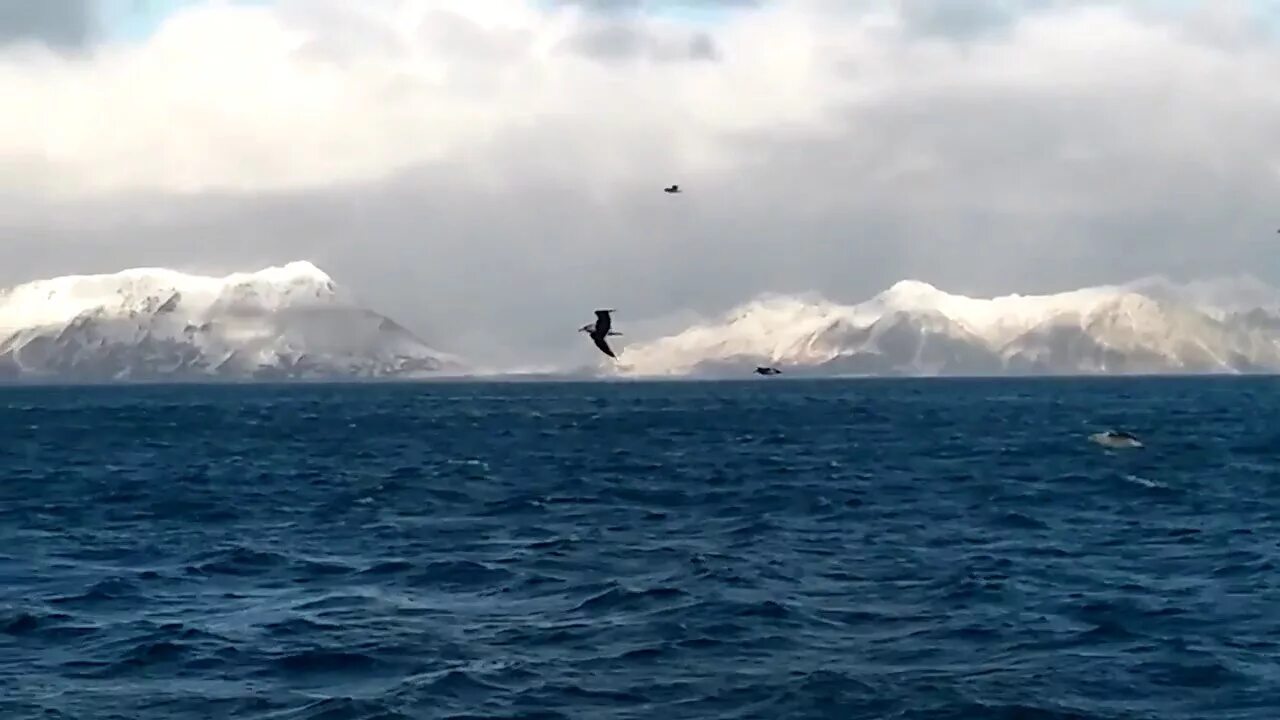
[(1148, 326), (285, 322)]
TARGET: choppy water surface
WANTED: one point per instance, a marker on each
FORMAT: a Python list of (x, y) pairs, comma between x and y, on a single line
[(765, 549)]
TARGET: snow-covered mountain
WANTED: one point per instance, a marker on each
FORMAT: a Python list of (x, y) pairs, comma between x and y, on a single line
[(1151, 325), (289, 322)]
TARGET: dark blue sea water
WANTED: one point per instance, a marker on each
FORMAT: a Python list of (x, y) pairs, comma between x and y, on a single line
[(769, 549)]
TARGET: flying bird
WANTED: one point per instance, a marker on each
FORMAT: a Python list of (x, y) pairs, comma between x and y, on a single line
[(768, 371), (673, 189), (602, 328)]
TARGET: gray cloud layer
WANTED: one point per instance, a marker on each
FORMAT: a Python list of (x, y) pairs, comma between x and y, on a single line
[(967, 20), (634, 5), (616, 40), (58, 23), (1084, 149)]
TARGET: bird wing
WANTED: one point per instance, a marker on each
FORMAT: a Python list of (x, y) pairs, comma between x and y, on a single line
[(604, 346), (603, 321)]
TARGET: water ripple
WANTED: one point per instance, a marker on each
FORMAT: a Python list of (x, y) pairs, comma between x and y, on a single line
[(870, 549)]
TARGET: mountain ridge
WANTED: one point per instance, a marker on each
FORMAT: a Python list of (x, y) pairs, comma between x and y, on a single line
[(281, 322), (1149, 325), (293, 322)]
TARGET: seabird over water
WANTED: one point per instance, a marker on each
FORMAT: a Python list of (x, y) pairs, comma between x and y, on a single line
[(673, 189), (602, 327)]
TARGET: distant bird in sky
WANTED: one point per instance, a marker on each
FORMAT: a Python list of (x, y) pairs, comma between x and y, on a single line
[(767, 371), (673, 189), (602, 328)]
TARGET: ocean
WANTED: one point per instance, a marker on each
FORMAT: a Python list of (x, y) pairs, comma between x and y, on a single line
[(772, 548)]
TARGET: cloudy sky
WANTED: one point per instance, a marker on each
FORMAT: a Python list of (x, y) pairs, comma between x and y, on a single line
[(490, 171)]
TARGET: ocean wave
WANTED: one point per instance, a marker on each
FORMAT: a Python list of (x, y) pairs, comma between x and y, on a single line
[(862, 549)]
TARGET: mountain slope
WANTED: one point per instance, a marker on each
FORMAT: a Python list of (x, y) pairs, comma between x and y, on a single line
[(287, 322), (912, 328)]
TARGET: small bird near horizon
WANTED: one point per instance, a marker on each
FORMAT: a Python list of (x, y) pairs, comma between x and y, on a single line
[(671, 190), (602, 328), (768, 371)]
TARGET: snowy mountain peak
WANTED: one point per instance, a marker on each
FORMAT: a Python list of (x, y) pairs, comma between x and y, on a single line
[(915, 328), (298, 270), (283, 321), (913, 291), (58, 300)]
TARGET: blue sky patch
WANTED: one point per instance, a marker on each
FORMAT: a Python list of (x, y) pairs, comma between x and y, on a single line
[(137, 20)]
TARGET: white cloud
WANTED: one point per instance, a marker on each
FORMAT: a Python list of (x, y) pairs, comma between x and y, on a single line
[(325, 91), (318, 92), (827, 145)]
